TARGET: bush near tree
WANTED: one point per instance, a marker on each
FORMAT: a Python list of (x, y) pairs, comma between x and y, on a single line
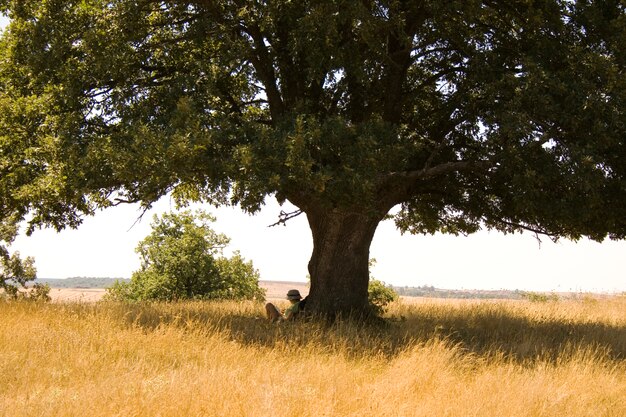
[(182, 259), (379, 294)]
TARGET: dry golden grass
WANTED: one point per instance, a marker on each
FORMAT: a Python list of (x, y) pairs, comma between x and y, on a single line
[(221, 359)]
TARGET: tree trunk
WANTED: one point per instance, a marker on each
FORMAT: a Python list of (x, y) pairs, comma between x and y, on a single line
[(339, 263)]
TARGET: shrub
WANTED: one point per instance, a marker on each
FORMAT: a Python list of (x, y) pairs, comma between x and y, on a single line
[(379, 294), (15, 276), (238, 278), (179, 261)]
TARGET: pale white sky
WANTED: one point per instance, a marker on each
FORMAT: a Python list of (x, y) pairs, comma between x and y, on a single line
[(104, 247)]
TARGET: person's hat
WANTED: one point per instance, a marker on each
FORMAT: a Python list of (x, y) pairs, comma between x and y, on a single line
[(293, 295)]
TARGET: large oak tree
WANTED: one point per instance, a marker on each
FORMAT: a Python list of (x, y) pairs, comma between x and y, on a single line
[(468, 114)]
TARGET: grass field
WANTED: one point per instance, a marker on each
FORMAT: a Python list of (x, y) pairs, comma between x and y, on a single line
[(431, 358)]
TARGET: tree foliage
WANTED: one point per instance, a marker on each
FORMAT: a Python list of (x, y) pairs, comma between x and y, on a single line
[(380, 295), (466, 114), (179, 260), (17, 274)]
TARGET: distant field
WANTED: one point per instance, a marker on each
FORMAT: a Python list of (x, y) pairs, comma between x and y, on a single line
[(87, 295), (276, 290), (431, 358)]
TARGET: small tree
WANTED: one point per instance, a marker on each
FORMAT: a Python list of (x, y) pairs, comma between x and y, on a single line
[(179, 261), (239, 278), (16, 273)]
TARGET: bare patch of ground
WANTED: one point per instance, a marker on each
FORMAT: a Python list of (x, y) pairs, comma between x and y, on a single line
[(275, 290), (83, 295)]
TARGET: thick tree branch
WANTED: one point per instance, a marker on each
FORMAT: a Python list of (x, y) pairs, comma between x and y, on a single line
[(536, 230), (397, 187), (262, 62), (399, 48), (445, 168)]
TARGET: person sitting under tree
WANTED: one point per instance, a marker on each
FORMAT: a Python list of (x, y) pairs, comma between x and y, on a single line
[(293, 311)]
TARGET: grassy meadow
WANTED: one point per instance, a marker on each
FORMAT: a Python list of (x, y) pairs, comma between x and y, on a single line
[(430, 358)]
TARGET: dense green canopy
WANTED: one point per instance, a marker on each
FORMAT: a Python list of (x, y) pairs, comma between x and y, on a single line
[(469, 114)]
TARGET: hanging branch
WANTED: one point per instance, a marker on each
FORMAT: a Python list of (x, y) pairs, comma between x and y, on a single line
[(283, 217), (144, 210)]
